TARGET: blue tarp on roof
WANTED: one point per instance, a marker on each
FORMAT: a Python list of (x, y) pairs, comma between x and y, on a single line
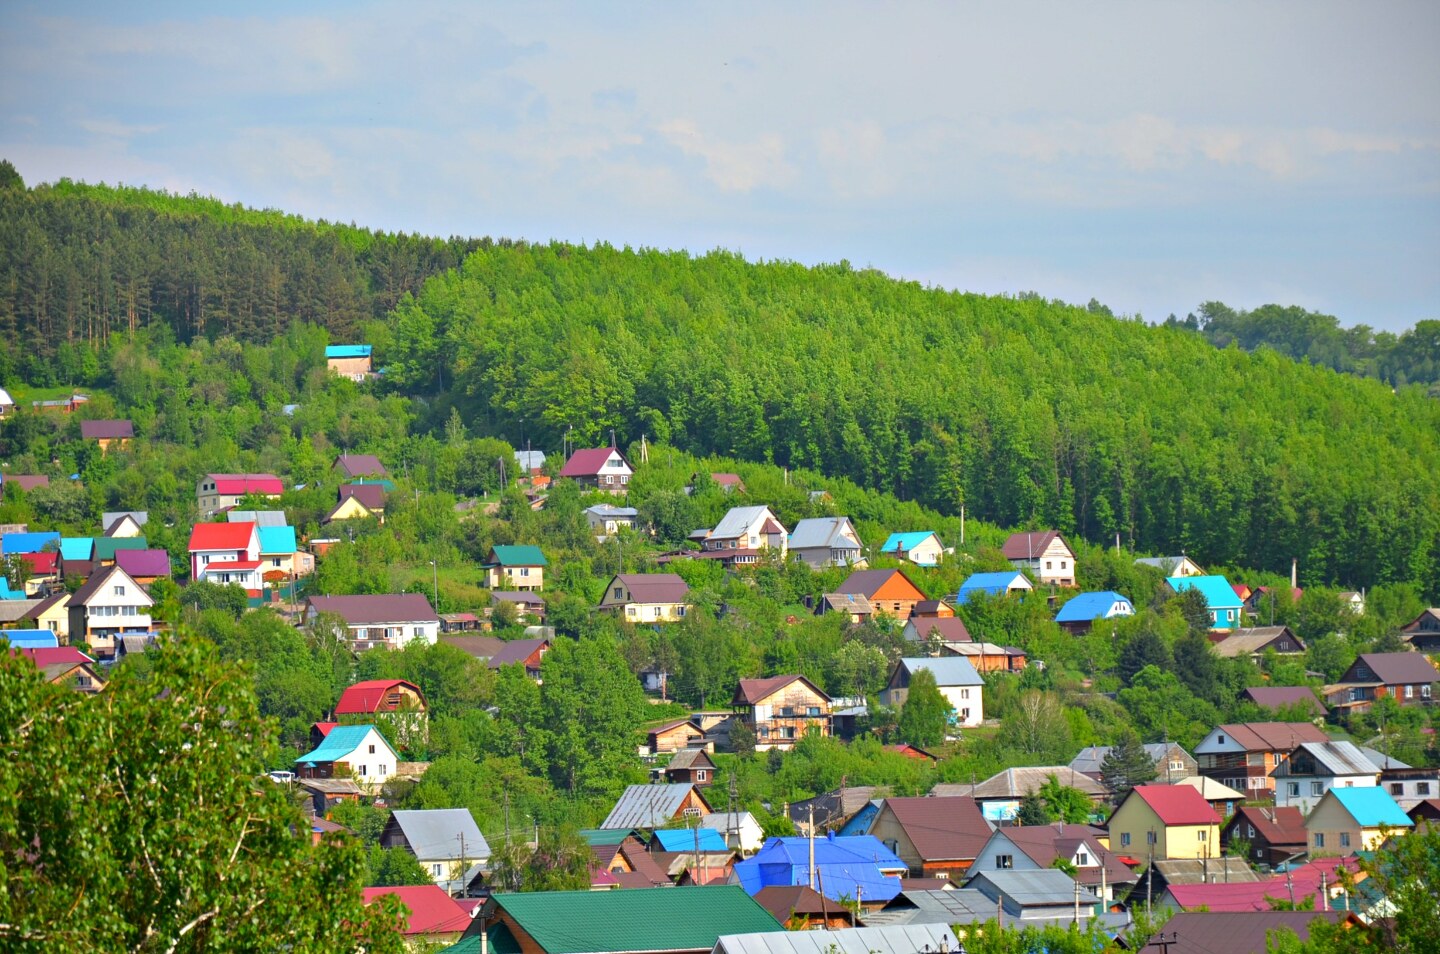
[(1088, 607), (683, 839), (1218, 592), (13, 543), (995, 584), (342, 740), (845, 868), (347, 351), (276, 540), (30, 638)]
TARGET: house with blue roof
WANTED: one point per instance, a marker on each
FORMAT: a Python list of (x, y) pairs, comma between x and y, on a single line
[(12, 544), (920, 547), (683, 839), (349, 361), (77, 549), (30, 638), (1223, 602), (993, 584), (849, 869), (1081, 612), (280, 552), (359, 752), (1347, 820)]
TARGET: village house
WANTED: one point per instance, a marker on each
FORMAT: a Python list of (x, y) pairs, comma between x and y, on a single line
[(144, 566), (1044, 553), (1256, 641), (1172, 762), (1164, 821), (1314, 768), (822, 542), (800, 907), (216, 492), (1041, 847), (846, 811), (1000, 795), (920, 547), (941, 630), (854, 606), (993, 585), (781, 709), (1081, 612), (1042, 894), (1406, 784), (646, 597), (349, 361), (608, 519), (445, 841), (673, 736), (1423, 632), (24, 482), (395, 705), (1244, 755), (124, 523), (226, 553), (1273, 835), (1222, 604), (603, 468), (109, 605), (988, 657), (690, 765), (352, 466), (742, 534), (1222, 798), (432, 917), (358, 502), (52, 613), (518, 568), (1347, 820), (1284, 697), (956, 678), (1243, 932), (523, 652), (1408, 678), (64, 666), (280, 553), (41, 570), (853, 869), (649, 807), (889, 591), (394, 619), (108, 434), (1173, 565), (528, 606), (936, 837), (357, 752)]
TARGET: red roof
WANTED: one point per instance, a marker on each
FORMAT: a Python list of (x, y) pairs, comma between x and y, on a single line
[(587, 462), (42, 563), (324, 728), (432, 911), (1029, 546), (232, 565), (1257, 895), (1177, 804), (221, 536), (366, 697), (247, 483), (52, 655)]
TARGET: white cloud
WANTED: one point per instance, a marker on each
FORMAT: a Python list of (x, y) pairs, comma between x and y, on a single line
[(733, 166)]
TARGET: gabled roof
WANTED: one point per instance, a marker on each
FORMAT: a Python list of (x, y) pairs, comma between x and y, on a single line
[(77, 548), (1019, 782), (106, 430), (221, 536), (907, 540), (785, 901), (1331, 758), (737, 520), (589, 462), (516, 651), (340, 742), (432, 911), (1029, 545), (1092, 757), (13, 543), (1266, 736), (110, 576), (1257, 895), (1278, 826), (1273, 697), (277, 540), (109, 518), (1238, 932), (30, 638), (649, 806), (1045, 887), (1399, 668), (43, 656), (941, 829), (1371, 807), (144, 562), (1175, 804), (995, 584), (1087, 607), (523, 555), (1218, 592), (233, 484), (44, 563), (610, 510), (690, 759), (360, 465), (868, 582), (26, 481), (952, 629), (1167, 563), (1212, 790), (821, 532), (848, 603), (371, 496), (385, 608), (347, 351), (1244, 642), (947, 670), (366, 697), (438, 833), (654, 587), (847, 867), (107, 547), (750, 692), (261, 518)]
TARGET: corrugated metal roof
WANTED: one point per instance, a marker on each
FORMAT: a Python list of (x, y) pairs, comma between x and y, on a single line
[(738, 520), (1218, 592), (647, 806), (683, 839), (1371, 806), (1041, 886), (342, 740), (347, 351), (947, 670), (439, 833), (995, 584), (890, 939), (1331, 758), (815, 532)]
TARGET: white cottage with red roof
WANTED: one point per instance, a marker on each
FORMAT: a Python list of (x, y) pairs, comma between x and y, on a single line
[(220, 491), (602, 467), (226, 553)]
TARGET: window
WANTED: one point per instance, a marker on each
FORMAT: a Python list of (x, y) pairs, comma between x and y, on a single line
[(680, 611), (1249, 831), (1422, 788), (82, 682), (417, 632), (964, 693), (1049, 565), (1344, 839), (1425, 691), (1124, 839), (1149, 838), (1294, 789), (1005, 862), (524, 571), (363, 771), (1082, 858), (435, 869), (1220, 739), (1319, 839), (120, 591), (1176, 765), (1397, 788), (1317, 788), (1409, 692), (274, 561), (813, 712), (372, 750), (380, 770), (700, 775), (618, 593), (657, 612), (629, 611), (964, 715)]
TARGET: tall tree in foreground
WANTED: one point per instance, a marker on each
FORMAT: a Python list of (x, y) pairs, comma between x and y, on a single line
[(139, 819), (926, 712), (1126, 765)]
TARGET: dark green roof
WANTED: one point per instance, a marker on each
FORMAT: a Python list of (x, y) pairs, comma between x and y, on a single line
[(604, 837), (517, 556), (105, 547), (632, 920)]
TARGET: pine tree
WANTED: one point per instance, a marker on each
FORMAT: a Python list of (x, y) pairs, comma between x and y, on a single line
[(1126, 765)]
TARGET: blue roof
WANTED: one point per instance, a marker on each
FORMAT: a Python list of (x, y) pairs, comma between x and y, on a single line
[(996, 584), (342, 740), (30, 638), (347, 351), (906, 541), (277, 540), (1091, 606), (1219, 594), (846, 867), (1371, 806), (77, 548), (12, 543), (683, 839)]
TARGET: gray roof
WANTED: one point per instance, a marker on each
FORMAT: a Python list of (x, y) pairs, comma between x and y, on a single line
[(890, 939), (13, 610), (1168, 564), (1331, 758), (1381, 759), (1042, 886), (822, 532), (438, 833), (947, 670), (940, 906), (1018, 782), (1243, 642), (848, 603), (261, 518), (738, 520), (1093, 756), (530, 460), (647, 806), (608, 510), (108, 518)]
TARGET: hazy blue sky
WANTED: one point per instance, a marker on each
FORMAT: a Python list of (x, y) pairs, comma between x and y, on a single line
[(1150, 154)]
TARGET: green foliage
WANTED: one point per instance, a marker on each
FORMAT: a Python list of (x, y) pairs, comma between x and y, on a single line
[(926, 712), (394, 867), (559, 861), (1126, 765), (992, 938)]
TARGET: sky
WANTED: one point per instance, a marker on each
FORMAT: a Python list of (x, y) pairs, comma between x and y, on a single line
[(1152, 155)]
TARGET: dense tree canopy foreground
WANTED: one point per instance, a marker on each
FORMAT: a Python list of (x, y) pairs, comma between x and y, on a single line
[(1029, 412)]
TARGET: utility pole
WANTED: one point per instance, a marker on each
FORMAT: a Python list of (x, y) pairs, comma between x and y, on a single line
[(811, 878), (435, 565), (1163, 944)]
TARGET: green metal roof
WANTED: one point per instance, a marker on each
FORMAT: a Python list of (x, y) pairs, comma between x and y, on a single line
[(636, 919), (105, 547), (604, 837), (525, 555)]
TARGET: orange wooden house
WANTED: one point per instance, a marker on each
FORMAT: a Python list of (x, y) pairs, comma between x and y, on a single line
[(889, 591)]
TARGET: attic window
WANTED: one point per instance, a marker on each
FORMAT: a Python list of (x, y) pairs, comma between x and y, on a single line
[(1004, 862), (120, 591), (1220, 739)]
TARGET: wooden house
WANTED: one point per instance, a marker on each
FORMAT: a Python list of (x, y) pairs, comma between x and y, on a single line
[(1274, 835), (1408, 678), (920, 547), (674, 736), (1244, 755), (889, 591), (646, 597), (109, 605), (108, 434), (1254, 642), (691, 765), (351, 361), (936, 837)]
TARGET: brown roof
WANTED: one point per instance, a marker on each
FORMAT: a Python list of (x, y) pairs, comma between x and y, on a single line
[(1238, 932), (1273, 736), (516, 651), (833, 809), (655, 587), (951, 628), (1028, 545), (98, 579), (361, 465), (1273, 697), (1278, 826), (753, 691), (782, 901), (387, 608), (371, 495), (27, 481), (1398, 668), (106, 430), (642, 862), (941, 829), (690, 759), (1042, 844), (481, 647), (868, 582)]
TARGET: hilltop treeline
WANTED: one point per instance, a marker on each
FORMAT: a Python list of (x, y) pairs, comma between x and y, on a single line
[(1028, 412), (80, 264)]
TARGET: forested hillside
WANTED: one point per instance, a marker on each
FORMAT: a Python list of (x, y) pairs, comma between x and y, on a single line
[(1029, 412)]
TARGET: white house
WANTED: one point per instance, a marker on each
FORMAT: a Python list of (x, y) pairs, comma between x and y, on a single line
[(1044, 553), (110, 605), (606, 519), (740, 830), (743, 532), (226, 553), (446, 842), (956, 678), (351, 751), (921, 547), (826, 541), (1314, 768), (392, 619)]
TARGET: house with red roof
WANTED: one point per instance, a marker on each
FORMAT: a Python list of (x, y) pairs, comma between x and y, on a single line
[(604, 468), (393, 704), (65, 665), (226, 553), (781, 709), (1317, 882), (40, 569), (434, 918), (217, 492), (1044, 553), (1165, 821), (1273, 834), (1244, 755)]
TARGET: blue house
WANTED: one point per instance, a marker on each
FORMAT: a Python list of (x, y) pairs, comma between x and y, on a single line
[(993, 584), (845, 868), (1080, 612), (1220, 597)]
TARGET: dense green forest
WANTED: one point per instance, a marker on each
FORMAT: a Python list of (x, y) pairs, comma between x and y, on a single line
[(1411, 357)]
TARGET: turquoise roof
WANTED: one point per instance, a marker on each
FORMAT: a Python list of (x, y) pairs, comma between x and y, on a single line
[(996, 584), (525, 555), (76, 548), (275, 540), (342, 740), (347, 351), (906, 541), (1218, 592), (1088, 607), (1371, 806)]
